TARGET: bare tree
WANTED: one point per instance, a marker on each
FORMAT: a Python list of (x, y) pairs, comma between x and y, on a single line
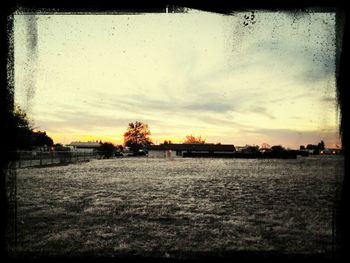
[(194, 140)]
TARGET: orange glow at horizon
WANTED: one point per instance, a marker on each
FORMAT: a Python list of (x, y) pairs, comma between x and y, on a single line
[(66, 139), (189, 81)]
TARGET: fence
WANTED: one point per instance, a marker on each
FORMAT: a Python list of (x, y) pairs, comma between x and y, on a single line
[(35, 158)]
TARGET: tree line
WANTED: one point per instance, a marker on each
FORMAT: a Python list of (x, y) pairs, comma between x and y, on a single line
[(316, 148), (26, 137), (136, 138)]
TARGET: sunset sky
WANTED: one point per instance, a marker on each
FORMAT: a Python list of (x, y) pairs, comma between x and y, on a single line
[(85, 77)]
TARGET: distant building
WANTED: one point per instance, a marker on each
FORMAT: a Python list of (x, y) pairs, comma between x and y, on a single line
[(239, 148), (264, 150), (247, 149), (331, 151), (178, 150), (84, 146)]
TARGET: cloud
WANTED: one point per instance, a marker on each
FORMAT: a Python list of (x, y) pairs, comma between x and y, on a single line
[(283, 98), (198, 104), (87, 121), (296, 137), (218, 121), (183, 74), (263, 111), (306, 60), (211, 107)]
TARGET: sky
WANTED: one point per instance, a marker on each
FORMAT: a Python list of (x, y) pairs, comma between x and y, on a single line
[(246, 78)]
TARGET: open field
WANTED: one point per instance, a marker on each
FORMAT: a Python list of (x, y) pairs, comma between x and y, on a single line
[(172, 208)]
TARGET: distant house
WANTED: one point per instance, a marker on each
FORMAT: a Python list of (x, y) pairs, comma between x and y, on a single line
[(240, 148), (179, 150), (331, 151), (84, 146), (247, 149)]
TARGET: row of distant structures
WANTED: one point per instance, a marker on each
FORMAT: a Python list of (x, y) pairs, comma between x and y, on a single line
[(84, 146), (173, 150), (181, 150)]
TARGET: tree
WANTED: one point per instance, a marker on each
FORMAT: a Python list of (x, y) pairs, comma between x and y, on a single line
[(320, 145), (311, 147), (167, 142), (25, 136), (60, 147), (137, 136), (194, 140), (120, 148), (21, 119), (316, 148), (251, 149), (265, 146), (41, 139), (107, 149), (277, 148), (23, 129)]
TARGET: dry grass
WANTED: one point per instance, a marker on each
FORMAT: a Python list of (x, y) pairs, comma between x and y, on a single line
[(172, 208)]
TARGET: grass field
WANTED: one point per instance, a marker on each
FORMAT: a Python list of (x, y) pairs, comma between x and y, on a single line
[(172, 208)]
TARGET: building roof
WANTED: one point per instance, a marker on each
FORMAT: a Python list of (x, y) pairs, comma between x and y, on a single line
[(85, 144), (194, 147)]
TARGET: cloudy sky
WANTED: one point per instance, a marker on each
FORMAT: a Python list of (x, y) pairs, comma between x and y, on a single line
[(246, 78)]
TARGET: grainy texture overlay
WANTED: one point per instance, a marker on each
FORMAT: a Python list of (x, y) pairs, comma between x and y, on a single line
[(172, 207)]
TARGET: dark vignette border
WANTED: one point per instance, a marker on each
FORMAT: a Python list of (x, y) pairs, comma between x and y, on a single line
[(139, 7)]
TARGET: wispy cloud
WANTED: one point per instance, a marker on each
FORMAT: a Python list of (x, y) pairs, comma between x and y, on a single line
[(263, 111), (296, 137), (195, 73)]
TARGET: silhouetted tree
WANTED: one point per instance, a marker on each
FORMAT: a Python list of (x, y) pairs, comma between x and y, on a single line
[(60, 147), (251, 149), (316, 148), (311, 147), (167, 142), (265, 145), (22, 127), (137, 136), (41, 139), (277, 148), (194, 140), (25, 136), (320, 145), (120, 148), (21, 119), (107, 149), (302, 147)]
